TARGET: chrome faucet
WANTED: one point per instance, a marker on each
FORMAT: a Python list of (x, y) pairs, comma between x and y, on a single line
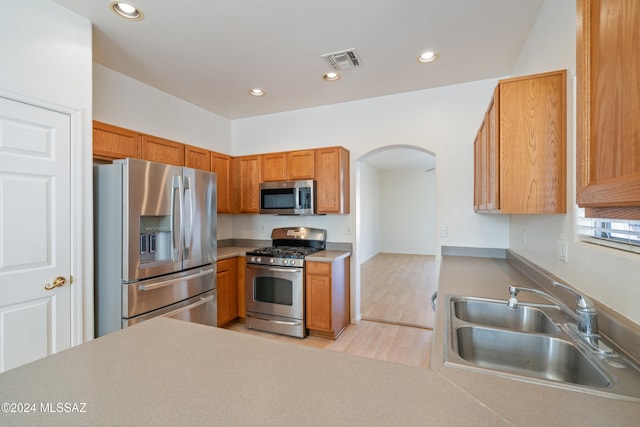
[(586, 315)]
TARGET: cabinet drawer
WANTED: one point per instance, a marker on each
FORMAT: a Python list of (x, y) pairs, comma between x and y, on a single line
[(318, 268)]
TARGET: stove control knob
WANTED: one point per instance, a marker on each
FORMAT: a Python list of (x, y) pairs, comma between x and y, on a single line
[(285, 261), (271, 260)]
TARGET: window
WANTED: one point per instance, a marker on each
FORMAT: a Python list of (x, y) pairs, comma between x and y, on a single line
[(615, 233)]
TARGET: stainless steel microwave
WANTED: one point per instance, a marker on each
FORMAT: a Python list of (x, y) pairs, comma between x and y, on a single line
[(288, 197)]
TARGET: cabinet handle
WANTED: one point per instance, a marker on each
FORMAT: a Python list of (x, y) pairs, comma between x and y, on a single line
[(56, 283)]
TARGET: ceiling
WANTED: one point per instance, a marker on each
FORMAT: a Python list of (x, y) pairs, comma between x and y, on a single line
[(211, 52)]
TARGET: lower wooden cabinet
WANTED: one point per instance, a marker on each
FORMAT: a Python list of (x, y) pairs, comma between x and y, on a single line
[(227, 285), (327, 297)]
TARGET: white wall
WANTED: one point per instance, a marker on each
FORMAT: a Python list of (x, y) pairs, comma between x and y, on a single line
[(368, 206), (122, 101), (46, 60), (608, 275), (407, 212), (442, 121)]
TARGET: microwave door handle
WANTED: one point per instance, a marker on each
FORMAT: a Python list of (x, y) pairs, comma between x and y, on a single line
[(188, 206), (177, 226)]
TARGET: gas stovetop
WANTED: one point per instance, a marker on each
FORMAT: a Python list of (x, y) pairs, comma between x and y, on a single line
[(290, 246)]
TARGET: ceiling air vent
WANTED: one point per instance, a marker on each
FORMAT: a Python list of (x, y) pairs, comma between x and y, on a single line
[(342, 60)]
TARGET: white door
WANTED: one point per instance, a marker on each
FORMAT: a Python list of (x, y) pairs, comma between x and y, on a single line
[(35, 233)]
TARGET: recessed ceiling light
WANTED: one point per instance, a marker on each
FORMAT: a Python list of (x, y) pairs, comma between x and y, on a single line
[(126, 10), (428, 56), (331, 76), (256, 92)]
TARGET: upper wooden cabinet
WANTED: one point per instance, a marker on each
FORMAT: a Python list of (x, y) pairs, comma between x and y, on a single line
[(288, 166), (162, 150), (301, 164), (112, 142), (608, 108), (520, 148), (248, 182), (221, 165), (197, 158), (274, 167), (487, 160), (332, 176)]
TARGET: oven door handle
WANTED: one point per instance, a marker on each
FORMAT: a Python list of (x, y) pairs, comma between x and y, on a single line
[(280, 270), (279, 322), (162, 284)]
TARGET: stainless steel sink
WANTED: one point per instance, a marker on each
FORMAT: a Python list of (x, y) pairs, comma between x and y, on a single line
[(523, 318), (533, 343), (534, 355)]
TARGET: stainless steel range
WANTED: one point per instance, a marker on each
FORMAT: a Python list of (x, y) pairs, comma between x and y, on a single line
[(275, 280)]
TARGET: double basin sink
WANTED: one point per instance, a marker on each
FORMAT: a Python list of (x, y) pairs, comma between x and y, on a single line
[(532, 343)]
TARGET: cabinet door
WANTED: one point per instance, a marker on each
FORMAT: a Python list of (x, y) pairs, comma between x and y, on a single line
[(112, 142), (197, 158), (226, 284), (249, 179), (221, 166), (532, 135), (318, 296), (493, 153), (608, 108), (480, 168), (274, 167), (332, 175), (301, 164), (162, 150)]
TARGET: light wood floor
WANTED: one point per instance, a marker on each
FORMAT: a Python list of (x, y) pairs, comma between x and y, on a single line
[(397, 288), (384, 341), (396, 292)]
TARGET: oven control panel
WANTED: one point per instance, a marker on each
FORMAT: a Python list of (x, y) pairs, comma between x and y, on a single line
[(277, 261)]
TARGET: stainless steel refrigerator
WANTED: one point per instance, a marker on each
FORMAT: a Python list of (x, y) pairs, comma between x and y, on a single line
[(155, 244)]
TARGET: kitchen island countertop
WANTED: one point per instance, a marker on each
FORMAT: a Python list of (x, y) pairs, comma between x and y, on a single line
[(170, 372)]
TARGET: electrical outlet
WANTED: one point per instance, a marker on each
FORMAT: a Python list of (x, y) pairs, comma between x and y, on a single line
[(563, 250), (443, 231), (524, 237), (348, 228)]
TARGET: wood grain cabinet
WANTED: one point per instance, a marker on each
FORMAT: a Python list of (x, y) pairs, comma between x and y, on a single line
[(608, 108), (327, 297), (162, 150), (332, 176), (273, 167), (197, 158), (301, 164), (520, 148), (221, 166), (227, 286), (113, 142), (288, 166), (248, 176)]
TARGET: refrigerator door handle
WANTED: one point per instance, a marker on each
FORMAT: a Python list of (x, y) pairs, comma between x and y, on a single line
[(188, 224), (177, 227), (162, 284), (203, 300)]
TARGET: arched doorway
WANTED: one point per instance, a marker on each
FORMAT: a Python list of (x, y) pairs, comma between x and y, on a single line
[(395, 235)]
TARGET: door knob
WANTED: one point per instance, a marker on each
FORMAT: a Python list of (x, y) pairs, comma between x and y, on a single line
[(56, 283)]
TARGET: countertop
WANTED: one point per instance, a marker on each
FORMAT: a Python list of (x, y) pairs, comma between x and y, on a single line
[(517, 402), (170, 372), (321, 256)]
